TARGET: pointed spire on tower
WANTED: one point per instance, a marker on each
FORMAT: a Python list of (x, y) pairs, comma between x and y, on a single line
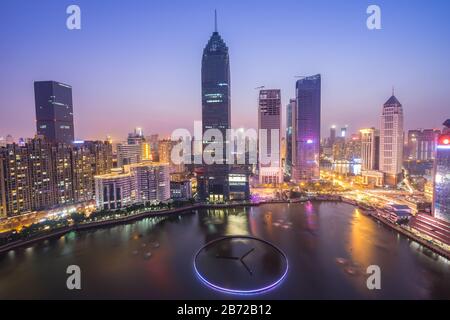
[(215, 20), (393, 90)]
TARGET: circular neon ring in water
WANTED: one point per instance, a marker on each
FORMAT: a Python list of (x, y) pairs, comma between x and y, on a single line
[(237, 291)]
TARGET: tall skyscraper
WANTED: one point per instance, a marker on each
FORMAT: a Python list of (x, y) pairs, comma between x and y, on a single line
[(54, 111), (391, 140), (370, 141), (216, 113), (290, 111), (441, 194), (307, 129), (269, 119)]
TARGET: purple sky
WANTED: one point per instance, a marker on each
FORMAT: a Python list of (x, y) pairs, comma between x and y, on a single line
[(137, 63)]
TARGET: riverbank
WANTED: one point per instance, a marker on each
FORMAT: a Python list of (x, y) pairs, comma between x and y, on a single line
[(410, 235), (191, 209)]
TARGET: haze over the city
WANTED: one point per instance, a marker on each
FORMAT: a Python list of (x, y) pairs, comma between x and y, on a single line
[(139, 64)]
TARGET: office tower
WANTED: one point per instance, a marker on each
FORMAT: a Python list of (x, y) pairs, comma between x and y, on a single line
[(152, 181), (128, 154), (370, 141), (391, 141), (114, 190), (332, 135), (54, 111), (269, 120), (307, 129), (216, 114), (441, 194), (290, 109), (422, 144)]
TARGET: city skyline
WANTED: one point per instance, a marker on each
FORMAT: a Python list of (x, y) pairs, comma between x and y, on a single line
[(97, 109), (226, 149)]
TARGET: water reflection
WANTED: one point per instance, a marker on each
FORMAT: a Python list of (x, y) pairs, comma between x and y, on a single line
[(329, 246)]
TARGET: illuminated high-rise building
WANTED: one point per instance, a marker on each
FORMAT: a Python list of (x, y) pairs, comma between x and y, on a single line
[(370, 144), (216, 115), (307, 129), (54, 111), (441, 194), (269, 121), (152, 181), (290, 115), (114, 190), (391, 141), (15, 181), (128, 154), (39, 174)]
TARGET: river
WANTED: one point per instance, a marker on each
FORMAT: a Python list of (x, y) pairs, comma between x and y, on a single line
[(328, 245)]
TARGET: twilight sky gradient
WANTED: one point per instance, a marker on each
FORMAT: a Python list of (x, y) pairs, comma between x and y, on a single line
[(137, 62)]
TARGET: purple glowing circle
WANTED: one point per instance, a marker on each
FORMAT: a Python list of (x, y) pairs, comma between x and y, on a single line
[(240, 263)]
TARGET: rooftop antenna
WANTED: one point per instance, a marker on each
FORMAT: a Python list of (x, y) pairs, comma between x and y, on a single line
[(215, 20), (393, 90)]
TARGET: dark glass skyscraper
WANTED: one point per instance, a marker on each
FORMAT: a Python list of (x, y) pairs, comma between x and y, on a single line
[(216, 112), (54, 111), (307, 129)]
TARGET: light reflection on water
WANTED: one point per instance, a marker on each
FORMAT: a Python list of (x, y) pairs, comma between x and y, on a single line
[(329, 247)]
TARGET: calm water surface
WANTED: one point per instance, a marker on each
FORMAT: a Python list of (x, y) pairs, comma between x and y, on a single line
[(328, 245)]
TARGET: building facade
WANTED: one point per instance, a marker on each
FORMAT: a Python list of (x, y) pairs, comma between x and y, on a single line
[(269, 142), (307, 129), (290, 109), (114, 191), (40, 175), (391, 141), (370, 144), (54, 111), (422, 144), (128, 154), (441, 194), (152, 181)]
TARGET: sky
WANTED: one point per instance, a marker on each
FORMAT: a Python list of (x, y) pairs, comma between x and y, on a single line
[(137, 62)]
